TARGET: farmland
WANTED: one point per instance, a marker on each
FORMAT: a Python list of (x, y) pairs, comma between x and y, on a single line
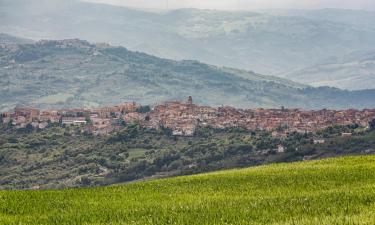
[(329, 191)]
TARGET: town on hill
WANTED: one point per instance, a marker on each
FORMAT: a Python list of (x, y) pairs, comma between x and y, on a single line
[(183, 118)]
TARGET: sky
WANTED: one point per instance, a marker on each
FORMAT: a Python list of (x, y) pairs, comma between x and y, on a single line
[(243, 4)]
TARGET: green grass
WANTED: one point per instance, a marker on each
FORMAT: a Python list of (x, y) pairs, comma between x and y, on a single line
[(136, 153), (331, 191)]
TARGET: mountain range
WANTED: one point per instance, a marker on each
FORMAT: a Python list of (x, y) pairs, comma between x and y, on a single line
[(76, 73), (8, 39), (276, 42), (353, 71)]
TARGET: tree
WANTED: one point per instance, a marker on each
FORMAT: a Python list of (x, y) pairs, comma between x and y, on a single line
[(85, 181), (29, 128), (88, 120), (143, 109), (10, 123), (122, 122), (372, 124), (165, 130)]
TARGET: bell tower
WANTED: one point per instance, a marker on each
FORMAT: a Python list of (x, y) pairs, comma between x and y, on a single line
[(190, 100)]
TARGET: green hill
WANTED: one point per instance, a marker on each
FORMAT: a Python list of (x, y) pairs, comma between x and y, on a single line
[(76, 73), (330, 191)]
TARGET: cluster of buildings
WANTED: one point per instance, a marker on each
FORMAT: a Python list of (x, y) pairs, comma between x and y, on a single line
[(96, 121), (184, 117)]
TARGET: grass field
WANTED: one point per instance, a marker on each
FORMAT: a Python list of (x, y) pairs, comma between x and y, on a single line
[(331, 191)]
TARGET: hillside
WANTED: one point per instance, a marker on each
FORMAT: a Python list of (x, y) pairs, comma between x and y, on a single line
[(266, 42), (354, 71), (358, 18), (61, 157), (8, 39), (75, 73), (330, 191)]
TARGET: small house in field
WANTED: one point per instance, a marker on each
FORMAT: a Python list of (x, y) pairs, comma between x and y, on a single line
[(280, 149), (347, 135), (36, 187), (319, 141)]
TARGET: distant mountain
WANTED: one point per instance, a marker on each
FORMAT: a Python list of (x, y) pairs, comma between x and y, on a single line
[(354, 71), (8, 39), (358, 18), (267, 42), (76, 73)]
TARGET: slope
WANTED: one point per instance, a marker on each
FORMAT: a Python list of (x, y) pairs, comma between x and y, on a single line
[(8, 39), (63, 157), (266, 42), (331, 191), (354, 71), (76, 73)]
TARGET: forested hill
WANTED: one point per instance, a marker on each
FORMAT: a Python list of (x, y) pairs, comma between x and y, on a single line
[(76, 73)]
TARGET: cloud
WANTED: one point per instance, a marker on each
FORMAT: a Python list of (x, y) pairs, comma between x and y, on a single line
[(242, 4)]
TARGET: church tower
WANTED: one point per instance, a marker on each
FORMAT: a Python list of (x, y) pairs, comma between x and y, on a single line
[(190, 100)]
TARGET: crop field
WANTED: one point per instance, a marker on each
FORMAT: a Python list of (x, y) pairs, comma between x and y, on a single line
[(330, 191)]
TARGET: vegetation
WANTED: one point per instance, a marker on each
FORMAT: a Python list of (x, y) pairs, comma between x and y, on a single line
[(75, 73), (372, 124), (268, 42), (60, 157), (330, 191), (342, 71)]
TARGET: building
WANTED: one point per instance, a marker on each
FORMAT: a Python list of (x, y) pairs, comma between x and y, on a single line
[(29, 113), (280, 149), (346, 134), (319, 141), (73, 120)]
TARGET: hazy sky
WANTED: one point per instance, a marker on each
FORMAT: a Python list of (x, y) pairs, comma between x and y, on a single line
[(243, 4)]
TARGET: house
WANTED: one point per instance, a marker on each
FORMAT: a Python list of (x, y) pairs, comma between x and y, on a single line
[(90, 129), (19, 120), (278, 134), (36, 187), (133, 117), (346, 134), (28, 113), (6, 120), (319, 141), (49, 116), (73, 120), (43, 125), (35, 124), (280, 149), (177, 132), (105, 130)]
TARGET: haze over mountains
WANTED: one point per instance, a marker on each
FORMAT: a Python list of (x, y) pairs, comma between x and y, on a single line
[(354, 71), (278, 42), (76, 73)]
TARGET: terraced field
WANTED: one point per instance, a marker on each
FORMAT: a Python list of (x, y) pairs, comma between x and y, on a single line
[(330, 191)]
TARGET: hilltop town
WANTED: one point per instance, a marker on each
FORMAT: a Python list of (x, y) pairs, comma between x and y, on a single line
[(184, 117)]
